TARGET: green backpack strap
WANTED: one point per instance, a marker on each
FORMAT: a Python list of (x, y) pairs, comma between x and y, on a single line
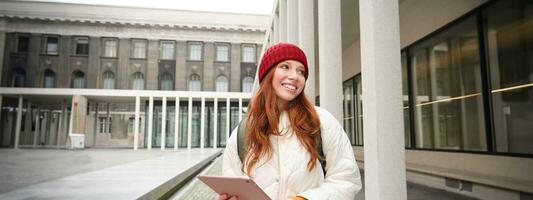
[(240, 145), (240, 139)]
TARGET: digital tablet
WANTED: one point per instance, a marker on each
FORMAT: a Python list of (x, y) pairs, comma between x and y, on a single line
[(244, 188)]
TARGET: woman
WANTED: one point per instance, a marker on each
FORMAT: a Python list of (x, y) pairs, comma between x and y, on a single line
[(281, 134)]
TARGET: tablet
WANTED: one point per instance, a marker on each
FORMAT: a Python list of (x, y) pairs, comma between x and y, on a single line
[(244, 188)]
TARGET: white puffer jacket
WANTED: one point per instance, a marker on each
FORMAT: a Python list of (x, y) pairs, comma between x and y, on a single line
[(286, 176)]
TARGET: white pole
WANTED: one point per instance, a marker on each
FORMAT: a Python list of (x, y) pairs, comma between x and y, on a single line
[(227, 119), (164, 123), (136, 123), (176, 122), (189, 124), (18, 123), (202, 124), (215, 123), (150, 121)]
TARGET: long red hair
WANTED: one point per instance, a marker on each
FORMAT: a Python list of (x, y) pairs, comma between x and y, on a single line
[(263, 118)]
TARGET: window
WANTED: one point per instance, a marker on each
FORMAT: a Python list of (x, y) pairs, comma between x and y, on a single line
[(109, 80), (104, 124), (78, 79), (349, 109), (194, 83), (19, 78), (167, 50), (405, 92), (222, 53), (248, 53), (49, 79), (447, 89), (222, 84), (82, 46), (166, 82), (138, 81), (195, 51), (510, 55), (52, 45), (139, 49), (23, 43), (110, 48), (247, 84)]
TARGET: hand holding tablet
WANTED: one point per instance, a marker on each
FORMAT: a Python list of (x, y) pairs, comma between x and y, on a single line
[(243, 188)]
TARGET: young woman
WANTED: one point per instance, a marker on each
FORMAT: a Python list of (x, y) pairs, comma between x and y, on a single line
[(281, 134)]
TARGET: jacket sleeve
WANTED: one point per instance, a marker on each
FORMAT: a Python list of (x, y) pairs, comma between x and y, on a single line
[(342, 179), (231, 163)]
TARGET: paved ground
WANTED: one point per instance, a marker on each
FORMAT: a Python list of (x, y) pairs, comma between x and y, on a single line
[(24, 167), (197, 190)]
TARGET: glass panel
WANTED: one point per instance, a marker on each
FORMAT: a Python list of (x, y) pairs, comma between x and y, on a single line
[(247, 84), (194, 83), (138, 81), (248, 54), (23, 44), (139, 49), (222, 84), (183, 121), (222, 53), (167, 50), (359, 111), (82, 46), (195, 129), (348, 108), (79, 80), (405, 95), (510, 52), (51, 45), (19, 78), (209, 119), (195, 52), (221, 124), (447, 90), (110, 48), (109, 80), (49, 79), (167, 82)]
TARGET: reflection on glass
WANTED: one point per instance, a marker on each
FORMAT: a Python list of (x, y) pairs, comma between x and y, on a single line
[(349, 109), (221, 132), (405, 95), (447, 90), (510, 55), (359, 110)]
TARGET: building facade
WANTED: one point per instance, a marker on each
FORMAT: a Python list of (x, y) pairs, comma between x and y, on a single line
[(74, 61), (462, 69)]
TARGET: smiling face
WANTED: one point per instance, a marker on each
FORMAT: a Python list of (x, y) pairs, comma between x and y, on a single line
[(288, 81)]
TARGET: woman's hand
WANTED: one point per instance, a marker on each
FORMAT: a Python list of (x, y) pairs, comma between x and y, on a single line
[(227, 197)]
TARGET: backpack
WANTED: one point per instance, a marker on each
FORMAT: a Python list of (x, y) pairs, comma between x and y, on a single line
[(240, 145)]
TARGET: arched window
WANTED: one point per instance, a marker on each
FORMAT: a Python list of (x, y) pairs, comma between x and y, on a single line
[(19, 78), (49, 80), (194, 83), (222, 84), (138, 81), (166, 82), (247, 84), (78, 79), (109, 80)]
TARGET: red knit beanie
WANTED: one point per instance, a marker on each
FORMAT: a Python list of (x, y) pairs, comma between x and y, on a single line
[(279, 53)]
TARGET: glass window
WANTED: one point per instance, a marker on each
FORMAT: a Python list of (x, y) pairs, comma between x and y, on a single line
[(19, 78), (167, 50), (195, 83), (166, 82), (247, 84), (248, 53), (104, 124), (447, 89), (222, 53), (195, 51), (358, 110), (222, 84), (510, 56), (138, 81), (49, 79), (349, 109), (109, 80), (110, 48), (78, 79), (23, 43), (82, 46), (405, 92), (139, 49), (51, 45)]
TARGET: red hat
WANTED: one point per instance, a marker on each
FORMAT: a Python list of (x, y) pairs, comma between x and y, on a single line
[(278, 53)]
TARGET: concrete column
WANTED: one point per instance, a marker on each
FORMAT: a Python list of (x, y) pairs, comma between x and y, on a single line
[(275, 32), (18, 123), (79, 113), (381, 79), (202, 123), (306, 39), (235, 68), (150, 121), (136, 123), (292, 21), (227, 119), (37, 127), (330, 56), (215, 123), (176, 122), (282, 20), (189, 124), (163, 123), (60, 125)]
